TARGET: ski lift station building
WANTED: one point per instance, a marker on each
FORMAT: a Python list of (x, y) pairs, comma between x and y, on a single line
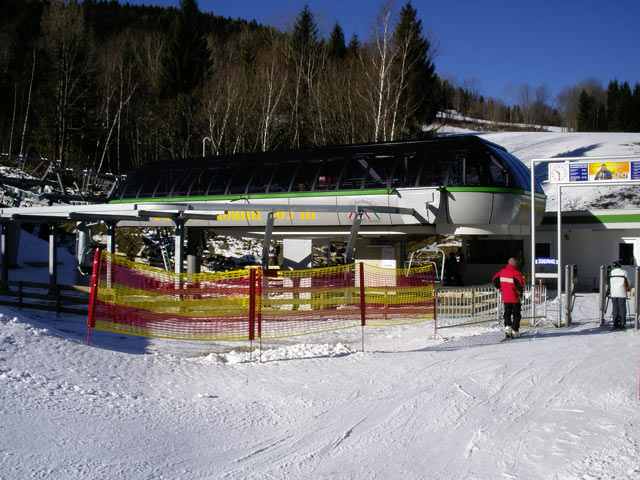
[(375, 198)]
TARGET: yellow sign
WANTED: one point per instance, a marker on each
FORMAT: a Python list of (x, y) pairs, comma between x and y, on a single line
[(609, 171), (256, 215)]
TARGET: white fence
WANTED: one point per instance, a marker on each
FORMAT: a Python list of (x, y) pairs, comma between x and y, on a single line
[(457, 306)]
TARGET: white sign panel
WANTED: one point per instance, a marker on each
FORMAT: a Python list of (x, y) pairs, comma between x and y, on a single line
[(594, 171)]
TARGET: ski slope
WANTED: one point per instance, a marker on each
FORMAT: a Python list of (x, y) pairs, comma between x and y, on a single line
[(556, 404)]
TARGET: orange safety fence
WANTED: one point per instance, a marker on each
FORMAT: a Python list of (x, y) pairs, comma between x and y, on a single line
[(253, 304)]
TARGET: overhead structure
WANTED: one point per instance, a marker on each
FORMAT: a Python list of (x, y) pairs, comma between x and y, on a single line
[(458, 184)]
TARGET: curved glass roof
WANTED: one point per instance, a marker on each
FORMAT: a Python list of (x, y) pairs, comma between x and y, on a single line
[(460, 161)]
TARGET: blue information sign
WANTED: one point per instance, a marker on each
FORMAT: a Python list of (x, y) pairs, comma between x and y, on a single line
[(546, 261), (580, 172), (635, 170)]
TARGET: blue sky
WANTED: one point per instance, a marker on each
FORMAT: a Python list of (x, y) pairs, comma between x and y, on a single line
[(488, 44)]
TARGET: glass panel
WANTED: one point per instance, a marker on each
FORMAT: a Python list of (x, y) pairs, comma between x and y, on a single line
[(353, 174), (200, 182), (261, 177), (165, 181), (456, 170), (241, 177), (435, 168), (183, 185), (626, 253), (379, 171), (306, 175), (132, 187), (282, 179), (329, 174), (497, 172), (219, 179), (406, 171)]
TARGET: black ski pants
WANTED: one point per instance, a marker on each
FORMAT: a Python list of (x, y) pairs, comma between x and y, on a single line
[(512, 309)]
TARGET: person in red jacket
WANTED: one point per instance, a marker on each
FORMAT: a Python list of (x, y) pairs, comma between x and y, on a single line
[(510, 282)]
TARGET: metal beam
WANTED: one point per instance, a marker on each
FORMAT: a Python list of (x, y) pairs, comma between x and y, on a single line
[(4, 257), (179, 246), (53, 258), (111, 237), (351, 243), (266, 245)]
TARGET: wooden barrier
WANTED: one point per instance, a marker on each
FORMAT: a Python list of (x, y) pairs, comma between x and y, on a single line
[(41, 296)]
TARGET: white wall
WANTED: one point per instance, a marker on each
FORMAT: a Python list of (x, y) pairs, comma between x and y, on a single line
[(589, 249)]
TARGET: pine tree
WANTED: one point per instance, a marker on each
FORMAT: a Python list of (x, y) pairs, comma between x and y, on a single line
[(353, 49), (304, 57), (635, 117), (186, 59), (624, 113), (586, 112), (419, 96), (305, 31), (613, 106), (336, 47)]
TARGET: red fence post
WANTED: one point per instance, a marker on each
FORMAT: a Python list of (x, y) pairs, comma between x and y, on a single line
[(252, 304), (260, 279), (362, 296), (93, 296)]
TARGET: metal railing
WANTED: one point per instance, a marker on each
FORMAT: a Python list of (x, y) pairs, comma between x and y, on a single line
[(458, 306)]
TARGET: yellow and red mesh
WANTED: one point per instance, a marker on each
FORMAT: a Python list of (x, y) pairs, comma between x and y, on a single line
[(398, 296), (249, 304)]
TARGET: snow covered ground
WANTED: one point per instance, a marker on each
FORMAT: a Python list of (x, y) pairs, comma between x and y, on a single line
[(556, 404)]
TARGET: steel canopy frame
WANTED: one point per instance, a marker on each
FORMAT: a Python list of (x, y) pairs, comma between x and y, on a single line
[(179, 213), (568, 160)]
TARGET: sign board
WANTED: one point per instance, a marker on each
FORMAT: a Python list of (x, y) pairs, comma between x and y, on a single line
[(594, 171), (546, 261)]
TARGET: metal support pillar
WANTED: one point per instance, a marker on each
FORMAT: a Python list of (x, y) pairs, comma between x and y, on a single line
[(559, 246), (351, 243), (568, 288), (636, 278), (179, 246), (111, 248), (602, 296), (111, 237), (194, 249), (83, 243), (53, 258), (266, 245), (4, 227)]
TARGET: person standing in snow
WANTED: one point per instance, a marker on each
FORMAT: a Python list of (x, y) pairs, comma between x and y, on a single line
[(511, 283), (618, 286)]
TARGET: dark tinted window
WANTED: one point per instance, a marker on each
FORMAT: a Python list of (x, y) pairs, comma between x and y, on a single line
[(219, 180), (353, 174), (435, 169), (406, 171), (261, 177), (329, 174), (241, 176), (306, 175), (379, 170), (284, 173)]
